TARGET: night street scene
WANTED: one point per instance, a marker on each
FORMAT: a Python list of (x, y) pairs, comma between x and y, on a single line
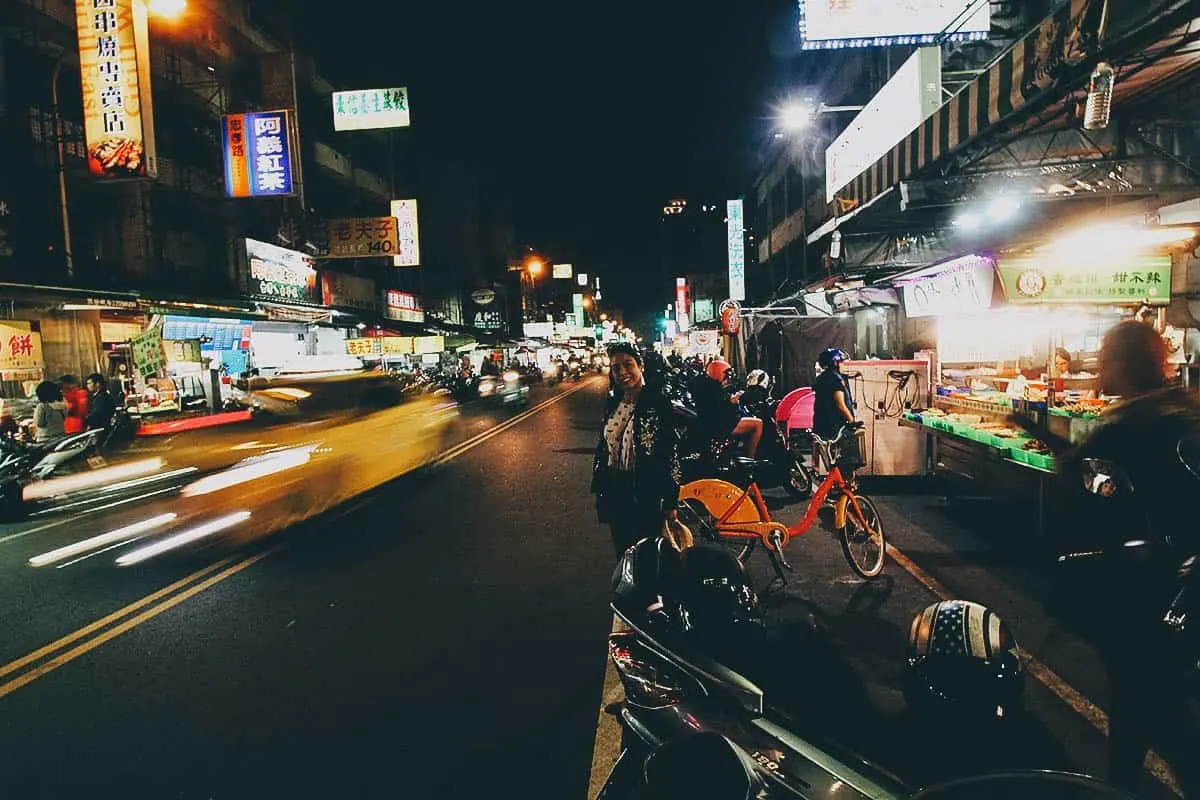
[(713, 401)]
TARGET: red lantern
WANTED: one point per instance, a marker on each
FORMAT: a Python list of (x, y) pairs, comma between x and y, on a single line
[(731, 317)]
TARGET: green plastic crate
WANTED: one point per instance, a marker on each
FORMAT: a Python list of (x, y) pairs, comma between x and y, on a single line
[(1039, 460), (1019, 455)]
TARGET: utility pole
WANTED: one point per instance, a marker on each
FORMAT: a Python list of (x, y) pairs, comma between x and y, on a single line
[(61, 164)]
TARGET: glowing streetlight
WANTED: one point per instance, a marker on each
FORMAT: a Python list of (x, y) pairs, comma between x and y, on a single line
[(587, 302), (168, 9), (796, 116), (535, 266)]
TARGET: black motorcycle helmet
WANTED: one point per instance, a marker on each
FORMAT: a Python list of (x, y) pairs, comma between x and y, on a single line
[(830, 356), (963, 662), (712, 596)]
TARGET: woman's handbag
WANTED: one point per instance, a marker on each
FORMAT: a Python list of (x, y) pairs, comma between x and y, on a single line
[(678, 535)]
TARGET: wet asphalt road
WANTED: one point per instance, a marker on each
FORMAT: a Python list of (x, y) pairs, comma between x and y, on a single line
[(442, 637)]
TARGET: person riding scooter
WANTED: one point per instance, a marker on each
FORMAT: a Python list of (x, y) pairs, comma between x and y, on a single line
[(717, 412), (833, 408)]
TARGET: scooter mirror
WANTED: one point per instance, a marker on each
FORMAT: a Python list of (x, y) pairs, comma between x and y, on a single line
[(702, 765)]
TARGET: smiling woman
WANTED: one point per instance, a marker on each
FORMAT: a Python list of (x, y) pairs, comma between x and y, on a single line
[(635, 472)]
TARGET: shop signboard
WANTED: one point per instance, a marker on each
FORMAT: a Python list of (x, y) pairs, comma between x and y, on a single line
[(539, 330), (363, 346), (708, 341), (861, 23), (577, 306), (912, 95), (370, 109), (682, 305), (736, 235), (423, 345), (348, 291), (213, 334), (408, 243), (962, 289), (258, 154), (276, 273), (702, 310), (114, 69), (563, 271), (403, 306), (182, 350), (20, 351), (363, 237), (1123, 281), (149, 355)]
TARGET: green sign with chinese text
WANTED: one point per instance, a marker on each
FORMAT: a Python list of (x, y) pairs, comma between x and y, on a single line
[(1132, 281)]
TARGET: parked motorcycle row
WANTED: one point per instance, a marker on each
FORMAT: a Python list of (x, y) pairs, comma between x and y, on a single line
[(722, 703)]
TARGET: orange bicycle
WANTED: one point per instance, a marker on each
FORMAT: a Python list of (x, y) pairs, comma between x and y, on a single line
[(721, 510)]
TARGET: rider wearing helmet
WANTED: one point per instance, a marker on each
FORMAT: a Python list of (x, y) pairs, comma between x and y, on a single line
[(717, 411), (834, 404), (758, 387)]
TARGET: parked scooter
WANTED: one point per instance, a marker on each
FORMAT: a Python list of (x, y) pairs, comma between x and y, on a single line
[(25, 463), (720, 705)]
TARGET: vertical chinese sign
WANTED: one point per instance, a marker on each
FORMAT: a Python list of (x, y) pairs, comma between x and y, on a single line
[(682, 306), (258, 154), (735, 228), (114, 67), (408, 253), (20, 352)]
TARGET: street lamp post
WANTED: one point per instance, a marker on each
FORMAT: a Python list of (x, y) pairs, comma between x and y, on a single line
[(793, 118), (61, 166)]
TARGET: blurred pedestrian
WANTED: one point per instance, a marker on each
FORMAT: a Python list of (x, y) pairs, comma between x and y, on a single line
[(101, 406), (635, 472), (1140, 436), (50, 413), (76, 398)]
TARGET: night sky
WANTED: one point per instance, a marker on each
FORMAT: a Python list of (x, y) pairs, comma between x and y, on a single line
[(589, 116)]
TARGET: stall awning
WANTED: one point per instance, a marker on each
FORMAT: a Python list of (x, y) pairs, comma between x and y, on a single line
[(1144, 41)]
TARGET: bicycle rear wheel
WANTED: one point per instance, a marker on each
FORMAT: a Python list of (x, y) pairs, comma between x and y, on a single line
[(865, 548)]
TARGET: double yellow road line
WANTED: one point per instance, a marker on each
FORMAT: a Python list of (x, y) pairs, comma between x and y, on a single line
[(28, 668)]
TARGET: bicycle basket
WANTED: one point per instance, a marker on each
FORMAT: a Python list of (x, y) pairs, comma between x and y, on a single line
[(850, 452)]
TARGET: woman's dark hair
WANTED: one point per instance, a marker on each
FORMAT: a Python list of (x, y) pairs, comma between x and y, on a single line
[(48, 392), (1063, 353), (625, 349)]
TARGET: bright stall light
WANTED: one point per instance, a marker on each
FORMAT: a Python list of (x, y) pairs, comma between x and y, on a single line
[(968, 221), (1003, 208), (1115, 241), (168, 9)]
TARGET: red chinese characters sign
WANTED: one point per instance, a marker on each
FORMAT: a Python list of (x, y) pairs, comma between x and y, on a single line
[(20, 352)]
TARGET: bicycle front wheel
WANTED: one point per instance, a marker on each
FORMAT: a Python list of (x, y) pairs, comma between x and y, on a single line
[(863, 541)]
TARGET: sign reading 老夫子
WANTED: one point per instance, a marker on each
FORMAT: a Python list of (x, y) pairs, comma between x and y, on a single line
[(1131, 280), (363, 237)]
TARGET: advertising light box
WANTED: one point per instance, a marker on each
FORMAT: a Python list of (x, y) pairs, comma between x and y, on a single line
[(912, 95), (837, 24)]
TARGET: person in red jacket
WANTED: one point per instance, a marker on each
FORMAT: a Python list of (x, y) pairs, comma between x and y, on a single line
[(77, 404)]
